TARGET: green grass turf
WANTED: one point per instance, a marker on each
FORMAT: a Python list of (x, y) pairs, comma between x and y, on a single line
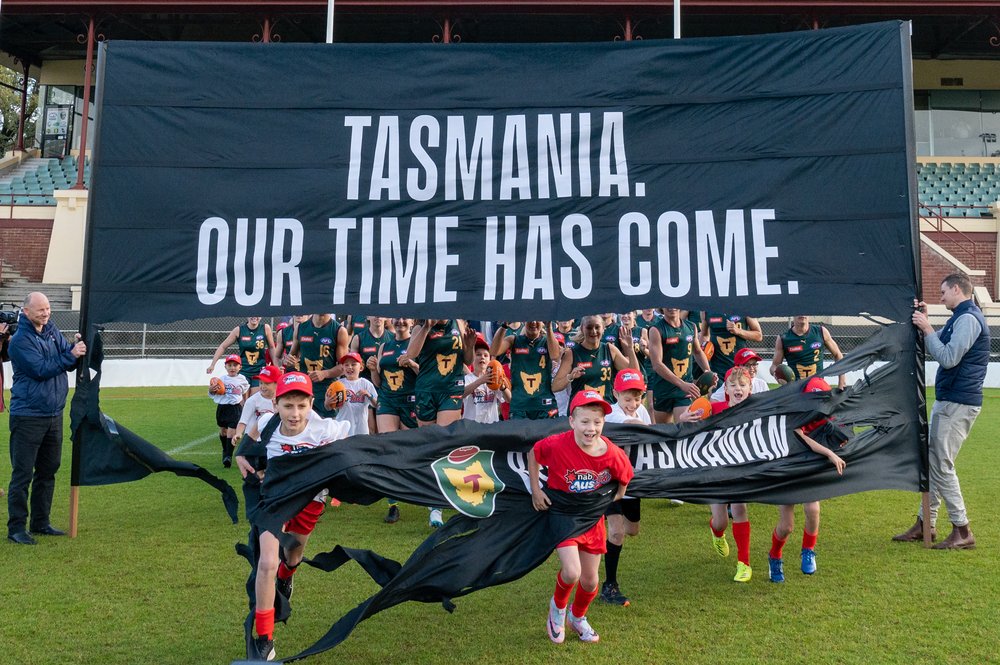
[(153, 578)]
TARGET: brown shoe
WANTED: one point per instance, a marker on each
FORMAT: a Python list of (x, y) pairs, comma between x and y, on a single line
[(956, 541), (914, 534)]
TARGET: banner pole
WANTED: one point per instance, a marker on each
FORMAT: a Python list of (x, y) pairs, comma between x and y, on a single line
[(329, 21)]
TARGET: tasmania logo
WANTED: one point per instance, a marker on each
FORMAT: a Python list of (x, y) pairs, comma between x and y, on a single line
[(468, 481), (585, 480)]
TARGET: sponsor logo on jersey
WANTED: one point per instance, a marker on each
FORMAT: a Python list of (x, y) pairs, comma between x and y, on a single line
[(388, 353), (468, 480), (369, 349), (245, 339), (795, 349), (586, 365), (542, 350), (585, 480), (325, 340), (307, 338), (671, 340), (454, 331), (689, 338), (715, 319), (436, 335), (520, 352)]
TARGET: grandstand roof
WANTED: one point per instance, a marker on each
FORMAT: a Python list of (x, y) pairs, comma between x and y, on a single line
[(38, 30)]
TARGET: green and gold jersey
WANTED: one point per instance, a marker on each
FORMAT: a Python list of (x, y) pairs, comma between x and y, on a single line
[(640, 325), (368, 346), (397, 382), (804, 353), (726, 344), (599, 371), (318, 350), (678, 355), (530, 374), (253, 347), (442, 365)]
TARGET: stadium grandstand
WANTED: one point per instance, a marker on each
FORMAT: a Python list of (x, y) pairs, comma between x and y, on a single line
[(44, 176)]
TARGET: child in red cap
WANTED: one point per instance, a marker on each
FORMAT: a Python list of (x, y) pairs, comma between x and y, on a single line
[(578, 461)]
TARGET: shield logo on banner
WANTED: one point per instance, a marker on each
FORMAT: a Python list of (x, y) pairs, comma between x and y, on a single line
[(531, 382), (727, 344), (468, 480), (680, 367), (446, 363), (395, 380)]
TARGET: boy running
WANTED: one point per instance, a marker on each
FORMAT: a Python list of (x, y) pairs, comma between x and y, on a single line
[(580, 460), (361, 396), (481, 403), (227, 411)]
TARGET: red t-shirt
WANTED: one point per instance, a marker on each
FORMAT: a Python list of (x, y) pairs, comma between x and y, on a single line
[(574, 471)]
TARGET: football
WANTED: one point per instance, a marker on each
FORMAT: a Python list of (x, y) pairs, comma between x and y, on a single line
[(709, 349), (499, 379), (216, 386), (462, 454), (707, 382), (702, 404), (336, 396), (784, 374)]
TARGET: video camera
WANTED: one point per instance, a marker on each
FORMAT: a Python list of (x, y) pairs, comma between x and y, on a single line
[(9, 316)]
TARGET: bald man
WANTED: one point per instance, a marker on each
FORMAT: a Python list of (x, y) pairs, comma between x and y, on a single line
[(40, 357)]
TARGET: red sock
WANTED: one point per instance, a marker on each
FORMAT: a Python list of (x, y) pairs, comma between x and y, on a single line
[(284, 571), (264, 619), (563, 590), (809, 540), (582, 600), (776, 545), (715, 532), (741, 534)]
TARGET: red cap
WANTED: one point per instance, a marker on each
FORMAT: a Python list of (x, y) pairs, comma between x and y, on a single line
[(294, 382), (560, 338), (586, 397), (233, 358), (743, 356), (481, 342), (630, 379), (817, 385), (353, 355), (281, 326), (270, 374)]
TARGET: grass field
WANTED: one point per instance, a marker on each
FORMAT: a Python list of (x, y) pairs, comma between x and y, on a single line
[(153, 578)]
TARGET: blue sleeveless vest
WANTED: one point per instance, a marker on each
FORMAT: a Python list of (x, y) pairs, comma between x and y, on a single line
[(963, 383)]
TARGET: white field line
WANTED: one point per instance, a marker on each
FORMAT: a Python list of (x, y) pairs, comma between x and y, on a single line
[(192, 444)]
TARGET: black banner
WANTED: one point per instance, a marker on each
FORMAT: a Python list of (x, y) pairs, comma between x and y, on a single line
[(768, 174), (747, 453)]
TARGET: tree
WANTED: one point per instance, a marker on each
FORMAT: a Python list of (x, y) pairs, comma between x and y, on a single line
[(10, 109)]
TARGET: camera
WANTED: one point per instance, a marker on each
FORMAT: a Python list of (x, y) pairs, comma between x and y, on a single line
[(9, 316)]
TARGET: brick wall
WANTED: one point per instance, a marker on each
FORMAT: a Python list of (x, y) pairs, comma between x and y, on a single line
[(24, 245), (935, 268)]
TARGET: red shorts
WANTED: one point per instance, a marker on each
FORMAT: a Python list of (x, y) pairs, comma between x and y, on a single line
[(305, 521), (592, 541)]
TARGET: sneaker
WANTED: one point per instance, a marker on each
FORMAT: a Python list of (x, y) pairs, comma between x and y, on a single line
[(583, 629), (392, 516), (677, 502), (776, 569), (285, 587), (743, 572), (808, 561), (227, 461), (612, 595), (261, 649), (720, 544), (555, 626), (435, 520)]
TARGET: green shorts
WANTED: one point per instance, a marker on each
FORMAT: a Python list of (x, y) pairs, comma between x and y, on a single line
[(668, 404), (403, 407), (430, 404)]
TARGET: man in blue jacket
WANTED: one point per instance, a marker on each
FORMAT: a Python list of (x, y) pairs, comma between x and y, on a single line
[(40, 357), (962, 349)]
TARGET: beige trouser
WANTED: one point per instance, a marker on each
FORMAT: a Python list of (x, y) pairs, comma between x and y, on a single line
[(949, 427)]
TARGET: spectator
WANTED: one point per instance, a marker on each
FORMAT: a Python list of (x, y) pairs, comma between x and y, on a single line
[(4, 338), (40, 357)]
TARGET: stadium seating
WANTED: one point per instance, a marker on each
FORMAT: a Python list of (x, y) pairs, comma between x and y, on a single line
[(35, 180), (958, 190)]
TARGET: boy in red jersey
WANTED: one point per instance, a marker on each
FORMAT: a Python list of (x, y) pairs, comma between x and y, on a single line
[(580, 460)]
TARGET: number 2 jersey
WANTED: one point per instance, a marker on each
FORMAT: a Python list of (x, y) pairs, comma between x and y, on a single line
[(804, 353)]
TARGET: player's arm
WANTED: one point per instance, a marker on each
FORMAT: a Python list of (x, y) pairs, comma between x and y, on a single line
[(538, 498), (814, 446), (626, 356), (700, 356), (355, 343), (835, 352), (566, 373), (752, 333), (468, 341), (779, 356), (550, 340), (219, 352), (269, 335), (417, 338), (289, 359), (706, 335), (501, 342), (376, 374)]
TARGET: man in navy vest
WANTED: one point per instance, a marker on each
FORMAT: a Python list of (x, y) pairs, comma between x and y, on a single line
[(962, 349)]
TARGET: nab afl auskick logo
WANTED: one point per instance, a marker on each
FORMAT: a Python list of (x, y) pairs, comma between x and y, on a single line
[(585, 480)]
